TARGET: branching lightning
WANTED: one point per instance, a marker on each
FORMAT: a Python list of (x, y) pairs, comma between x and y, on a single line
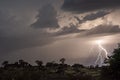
[(101, 51)]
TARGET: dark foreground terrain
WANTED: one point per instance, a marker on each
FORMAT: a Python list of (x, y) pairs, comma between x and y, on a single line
[(51, 71), (22, 70)]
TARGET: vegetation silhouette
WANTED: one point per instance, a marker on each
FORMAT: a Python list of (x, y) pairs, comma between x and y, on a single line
[(112, 70), (22, 70)]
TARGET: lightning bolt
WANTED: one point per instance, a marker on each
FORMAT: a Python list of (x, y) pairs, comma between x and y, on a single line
[(101, 50)]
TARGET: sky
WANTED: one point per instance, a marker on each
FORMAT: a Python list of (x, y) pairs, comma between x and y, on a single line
[(48, 30)]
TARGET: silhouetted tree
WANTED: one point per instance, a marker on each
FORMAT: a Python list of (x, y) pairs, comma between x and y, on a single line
[(62, 67), (62, 60), (5, 64), (39, 63), (14, 65), (22, 63), (112, 71)]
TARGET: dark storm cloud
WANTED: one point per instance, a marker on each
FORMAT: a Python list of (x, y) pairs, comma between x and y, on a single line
[(7, 23), (15, 34), (94, 16), (14, 43), (89, 5), (69, 30), (5, 19), (46, 18), (103, 30), (13, 39), (23, 4), (91, 16)]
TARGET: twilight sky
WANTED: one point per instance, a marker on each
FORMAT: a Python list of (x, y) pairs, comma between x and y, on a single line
[(48, 30)]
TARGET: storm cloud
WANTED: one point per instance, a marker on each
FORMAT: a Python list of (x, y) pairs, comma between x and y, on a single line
[(46, 18), (14, 43), (103, 30), (92, 16), (69, 30), (40, 29), (89, 5), (15, 32)]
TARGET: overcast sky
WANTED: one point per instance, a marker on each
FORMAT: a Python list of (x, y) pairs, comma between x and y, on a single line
[(48, 30)]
